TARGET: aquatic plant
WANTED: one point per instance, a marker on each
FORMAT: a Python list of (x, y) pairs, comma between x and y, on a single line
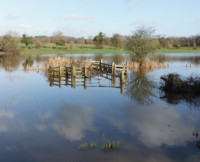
[(110, 145), (83, 146), (93, 145)]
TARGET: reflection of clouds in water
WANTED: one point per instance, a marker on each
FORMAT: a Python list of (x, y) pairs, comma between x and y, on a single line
[(156, 125), (3, 128), (45, 116), (15, 79), (14, 100), (73, 121), (7, 113), (10, 126), (139, 156), (41, 127)]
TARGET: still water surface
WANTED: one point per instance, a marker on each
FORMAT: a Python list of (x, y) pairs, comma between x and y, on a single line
[(39, 122)]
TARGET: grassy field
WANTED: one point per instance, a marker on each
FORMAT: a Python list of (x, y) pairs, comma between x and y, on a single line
[(76, 49), (180, 50), (92, 49)]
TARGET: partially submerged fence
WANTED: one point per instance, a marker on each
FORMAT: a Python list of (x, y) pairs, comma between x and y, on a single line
[(72, 75), (113, 69)]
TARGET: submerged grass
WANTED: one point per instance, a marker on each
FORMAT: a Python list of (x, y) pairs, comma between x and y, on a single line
[(83, 146), (107, 145), (110, 145), (93, 145)]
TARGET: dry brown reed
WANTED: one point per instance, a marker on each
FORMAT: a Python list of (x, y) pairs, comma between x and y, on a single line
[(65, 61), (145, 66)]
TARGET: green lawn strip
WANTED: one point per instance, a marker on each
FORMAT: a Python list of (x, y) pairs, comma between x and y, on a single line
[(91, 49)]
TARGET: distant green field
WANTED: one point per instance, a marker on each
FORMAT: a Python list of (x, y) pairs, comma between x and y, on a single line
[(76, 49), (180, 50), (91, 49)]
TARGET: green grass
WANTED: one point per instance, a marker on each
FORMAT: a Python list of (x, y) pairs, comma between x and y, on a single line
[(91, 49), (76, 49), (180, 50), (93, 145), (110, 146), (83, 146)]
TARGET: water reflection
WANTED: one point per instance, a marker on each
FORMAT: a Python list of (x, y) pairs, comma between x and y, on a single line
[(187, 58), (39, 129), (73, 121), (28, 63), (10, 62), (141, 87), (156, 125), (193, 101)]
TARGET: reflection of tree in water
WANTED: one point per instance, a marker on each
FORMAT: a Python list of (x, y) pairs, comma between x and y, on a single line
[(118, 59), (141, 88), (10, 62), (191, 100), (28, 63), (162, 58)]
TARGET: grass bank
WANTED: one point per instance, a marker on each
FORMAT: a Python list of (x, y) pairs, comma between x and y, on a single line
[(76, 49), (180, 50), (92, 49)]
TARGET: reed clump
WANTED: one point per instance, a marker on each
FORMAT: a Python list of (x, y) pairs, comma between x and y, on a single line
[(83, 146), (146, 66), (66, 61), (110, 145)]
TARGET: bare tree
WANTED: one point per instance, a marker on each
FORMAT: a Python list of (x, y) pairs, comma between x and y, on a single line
[(9, 42), (58, 39)]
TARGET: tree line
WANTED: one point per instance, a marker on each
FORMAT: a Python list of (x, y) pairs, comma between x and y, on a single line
[(11, 41)]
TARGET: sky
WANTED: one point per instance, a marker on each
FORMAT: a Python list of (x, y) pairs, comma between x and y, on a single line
[(85, 18)]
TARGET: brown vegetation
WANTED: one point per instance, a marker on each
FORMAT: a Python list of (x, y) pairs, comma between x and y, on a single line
[(64, 61), (145, 66), (176, 89), (177, 84)]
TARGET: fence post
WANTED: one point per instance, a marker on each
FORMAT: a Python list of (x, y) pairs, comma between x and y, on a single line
[(127, 64), (122, 78), (73, 71), (113, 69), (85, 72), (100, 65), (113, 81), (50, 70), (60, 71), (66, 71), (85, 83), (73, 82)]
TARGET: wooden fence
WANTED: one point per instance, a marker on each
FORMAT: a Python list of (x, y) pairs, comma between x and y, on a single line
[(75, 76)]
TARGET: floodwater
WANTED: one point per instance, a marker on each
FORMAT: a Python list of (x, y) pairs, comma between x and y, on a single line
[(39, 122)]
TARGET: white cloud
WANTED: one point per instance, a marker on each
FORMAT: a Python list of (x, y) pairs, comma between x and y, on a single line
[(196, 22), (133, 3), (14, 16), (78, 16), (75, 31), (85, 2), (144, 22)]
